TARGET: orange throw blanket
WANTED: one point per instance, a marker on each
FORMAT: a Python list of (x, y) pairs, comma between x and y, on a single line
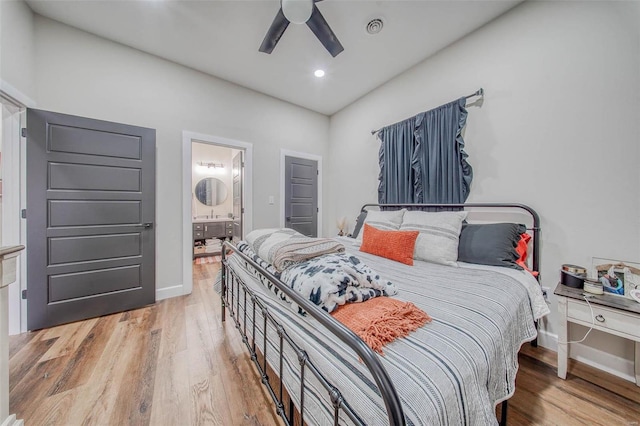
[(381, 320)]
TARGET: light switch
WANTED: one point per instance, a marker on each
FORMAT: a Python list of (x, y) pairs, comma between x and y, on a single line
[(272, 199)]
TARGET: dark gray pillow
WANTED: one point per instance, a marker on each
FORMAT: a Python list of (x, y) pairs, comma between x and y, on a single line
[(490, 244), (359, 221)]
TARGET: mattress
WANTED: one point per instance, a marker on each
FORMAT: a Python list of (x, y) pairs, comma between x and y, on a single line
[(453, 370)]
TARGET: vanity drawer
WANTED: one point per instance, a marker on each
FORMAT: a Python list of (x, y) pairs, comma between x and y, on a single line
[(622, 323), (198, 226), (198, 235), (229, 225), (230, 232)]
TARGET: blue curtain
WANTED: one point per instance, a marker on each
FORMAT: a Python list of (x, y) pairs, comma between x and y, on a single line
[(396, 178), (422, 159)]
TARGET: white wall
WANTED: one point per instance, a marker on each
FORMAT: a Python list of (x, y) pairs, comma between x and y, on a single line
[(558, 130), (78, 73), (202, 152), (17, 46)]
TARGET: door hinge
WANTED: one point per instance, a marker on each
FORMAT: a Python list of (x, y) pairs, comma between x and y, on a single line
[(24, 294), (318, 172), (24, 132), (23, 213), (242, 210), (317, 209)]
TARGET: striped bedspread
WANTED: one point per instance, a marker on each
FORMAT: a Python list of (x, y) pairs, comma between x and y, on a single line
[(452, 371)]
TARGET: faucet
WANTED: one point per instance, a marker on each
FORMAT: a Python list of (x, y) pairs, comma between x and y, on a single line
[(211, 214)]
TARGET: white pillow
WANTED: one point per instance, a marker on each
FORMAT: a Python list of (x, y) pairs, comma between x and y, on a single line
[(439, 235), (385, 220)]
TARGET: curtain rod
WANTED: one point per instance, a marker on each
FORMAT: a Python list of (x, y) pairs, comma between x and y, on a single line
[(479, 92)]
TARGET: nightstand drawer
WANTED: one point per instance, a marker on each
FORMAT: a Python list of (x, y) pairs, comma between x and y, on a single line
[(198, 235), (609, 319), (198, 226)]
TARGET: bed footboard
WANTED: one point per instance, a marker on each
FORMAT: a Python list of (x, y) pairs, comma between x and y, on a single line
[(245, 307)]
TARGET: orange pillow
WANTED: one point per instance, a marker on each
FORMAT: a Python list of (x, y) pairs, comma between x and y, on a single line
[(394, 245), (521, 249)]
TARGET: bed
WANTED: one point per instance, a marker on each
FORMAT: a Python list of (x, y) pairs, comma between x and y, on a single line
[(454, 370)]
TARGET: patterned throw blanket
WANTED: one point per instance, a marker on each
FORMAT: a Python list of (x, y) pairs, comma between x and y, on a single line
[(285, 247), (328, 281)]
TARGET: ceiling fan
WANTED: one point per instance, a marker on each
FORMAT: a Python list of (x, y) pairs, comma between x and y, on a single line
[(301, 12)]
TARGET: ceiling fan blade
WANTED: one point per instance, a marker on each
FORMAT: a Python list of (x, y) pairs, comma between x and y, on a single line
[(279, 24), (321, 29)]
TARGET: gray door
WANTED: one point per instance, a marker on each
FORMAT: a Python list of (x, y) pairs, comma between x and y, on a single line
[(90, 218), (238, 208), (301, 195)]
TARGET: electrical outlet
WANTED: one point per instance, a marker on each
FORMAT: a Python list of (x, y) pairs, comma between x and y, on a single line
[(545, 293)]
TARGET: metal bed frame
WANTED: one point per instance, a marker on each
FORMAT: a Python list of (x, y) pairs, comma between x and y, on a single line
[(232, 286)]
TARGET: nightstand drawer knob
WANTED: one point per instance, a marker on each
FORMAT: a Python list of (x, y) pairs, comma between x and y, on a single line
[(599, 318)]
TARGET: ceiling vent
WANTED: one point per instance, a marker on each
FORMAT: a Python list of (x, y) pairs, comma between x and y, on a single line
[(374, 26)]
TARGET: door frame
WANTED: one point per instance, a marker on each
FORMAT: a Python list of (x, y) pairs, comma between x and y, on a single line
[(187, 228), (287, 153), (14, 199)]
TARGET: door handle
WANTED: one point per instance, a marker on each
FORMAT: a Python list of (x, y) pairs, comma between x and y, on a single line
[(147, 225), (288, 218)]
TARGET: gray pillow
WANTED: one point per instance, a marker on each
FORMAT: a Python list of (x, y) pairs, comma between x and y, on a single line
[(491, 244), (359, 221)]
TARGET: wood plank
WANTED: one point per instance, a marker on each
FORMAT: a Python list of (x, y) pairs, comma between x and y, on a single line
[(101, 392), (82, 363), (607, 407), (601, 378), (203, 364), (243, 383), (69, 341), (18, 341), (202, 361), (173, 324), (54, 410), (572, 405), (34, 385), (26, 359), (59, 330), (134, 406), (171, 392), (203, 408)]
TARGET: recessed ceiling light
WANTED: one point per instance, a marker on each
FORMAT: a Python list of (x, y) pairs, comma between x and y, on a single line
[(319, 73)]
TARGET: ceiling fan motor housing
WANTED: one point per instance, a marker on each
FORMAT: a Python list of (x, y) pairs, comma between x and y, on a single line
[(297, 11)]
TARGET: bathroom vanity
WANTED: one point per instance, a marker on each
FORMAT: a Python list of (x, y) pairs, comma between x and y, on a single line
[(210, 228)]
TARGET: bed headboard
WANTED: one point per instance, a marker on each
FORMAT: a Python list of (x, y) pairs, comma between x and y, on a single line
[(534, 227)]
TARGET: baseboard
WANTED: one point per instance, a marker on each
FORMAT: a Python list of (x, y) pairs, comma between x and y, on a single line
[(620, 367), (12, 421), (168, 292)]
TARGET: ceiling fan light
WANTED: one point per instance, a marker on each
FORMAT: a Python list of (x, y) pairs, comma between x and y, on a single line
[(297, 11)]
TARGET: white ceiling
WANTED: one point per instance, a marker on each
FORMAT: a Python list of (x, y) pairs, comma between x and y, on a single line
[(221, 38)]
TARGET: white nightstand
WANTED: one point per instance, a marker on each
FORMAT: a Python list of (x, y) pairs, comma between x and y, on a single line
[(611, 314)]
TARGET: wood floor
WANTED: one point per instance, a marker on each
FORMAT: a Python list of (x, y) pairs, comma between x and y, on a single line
[(176, 363)]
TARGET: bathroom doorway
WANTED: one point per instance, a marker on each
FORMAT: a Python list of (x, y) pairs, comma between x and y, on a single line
[(216, 198), (213, 193)]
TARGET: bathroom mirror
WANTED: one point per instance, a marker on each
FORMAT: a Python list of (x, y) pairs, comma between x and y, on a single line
[(211, 191)]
